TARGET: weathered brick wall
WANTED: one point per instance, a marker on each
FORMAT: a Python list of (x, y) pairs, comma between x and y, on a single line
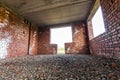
[(108, 43), (44, 46), (13, 34), (90, 30), (79, 44), (33, 45)]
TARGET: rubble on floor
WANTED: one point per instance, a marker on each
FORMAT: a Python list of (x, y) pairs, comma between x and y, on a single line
[(59, 67)]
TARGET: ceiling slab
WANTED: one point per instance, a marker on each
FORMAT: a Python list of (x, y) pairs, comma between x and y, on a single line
[(51, 12)]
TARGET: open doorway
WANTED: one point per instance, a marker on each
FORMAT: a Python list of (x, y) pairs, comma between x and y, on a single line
[(60, 36)]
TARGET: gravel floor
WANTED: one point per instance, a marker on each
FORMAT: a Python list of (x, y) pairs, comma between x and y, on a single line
[(59, 67)]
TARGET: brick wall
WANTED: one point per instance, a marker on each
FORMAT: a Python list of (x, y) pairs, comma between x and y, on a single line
[(18, 37), (44, 46), (13, 34), (33, 38), (90, 30), (108, 43), (79, 44)]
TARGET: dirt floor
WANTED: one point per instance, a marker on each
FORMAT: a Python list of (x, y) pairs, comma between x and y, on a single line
[(59, 67)]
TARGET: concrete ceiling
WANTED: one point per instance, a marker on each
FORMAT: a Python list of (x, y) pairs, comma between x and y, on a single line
[(51, 12)]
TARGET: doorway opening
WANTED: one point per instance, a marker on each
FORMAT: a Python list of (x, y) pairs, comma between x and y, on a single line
[(60, 36)]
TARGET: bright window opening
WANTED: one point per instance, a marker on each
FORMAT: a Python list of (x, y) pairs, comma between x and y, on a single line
[(98, 23), (60, 36)]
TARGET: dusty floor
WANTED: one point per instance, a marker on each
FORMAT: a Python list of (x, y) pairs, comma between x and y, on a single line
[(59, 67)]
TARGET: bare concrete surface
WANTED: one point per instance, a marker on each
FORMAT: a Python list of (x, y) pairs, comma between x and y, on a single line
[(59, 67), (43, 12)]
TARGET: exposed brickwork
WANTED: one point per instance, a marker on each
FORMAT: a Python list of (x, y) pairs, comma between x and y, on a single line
[(90, 30), (79, 44), (13, 34), (44, 46), (33, 49), (108, 43)]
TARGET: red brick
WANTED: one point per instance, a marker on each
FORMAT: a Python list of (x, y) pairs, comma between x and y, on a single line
[(110, 38), (33, 45), (44, 46), (14, 34), (79, 44)]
